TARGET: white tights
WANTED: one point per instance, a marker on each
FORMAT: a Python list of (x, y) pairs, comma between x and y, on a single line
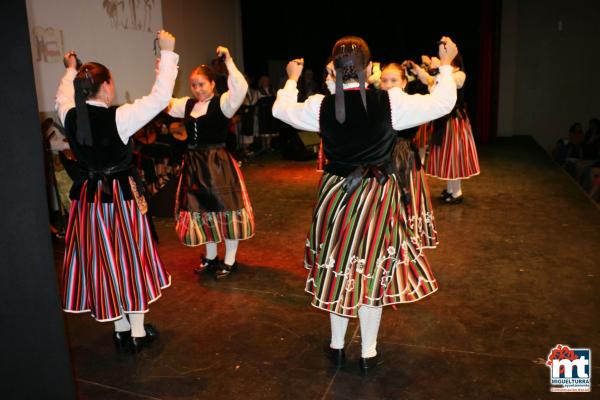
[(231, 247), (133, 322), (370, 318), (454, 187)]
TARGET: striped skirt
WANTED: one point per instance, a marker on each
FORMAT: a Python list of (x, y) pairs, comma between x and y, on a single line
[(111, 264), (419, 211), (423, 135), (456, 157), (421, 220), (212, 200), (360, 249)]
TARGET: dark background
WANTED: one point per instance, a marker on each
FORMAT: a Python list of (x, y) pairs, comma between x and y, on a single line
[(395, 31)]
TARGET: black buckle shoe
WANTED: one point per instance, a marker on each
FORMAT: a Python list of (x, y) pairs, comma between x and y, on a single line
[(445, 194), (150, 330), (225, 270), (207, 265), (121, 340), (368, 364), (453, 200), (336, 356), (137, 344)]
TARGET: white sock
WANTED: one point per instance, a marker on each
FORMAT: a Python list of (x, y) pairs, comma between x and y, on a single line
[(370, 318), (211, 251), (230, 251), (339, 325), (456, 188), (449, 186), (137, 324), (122, 325)]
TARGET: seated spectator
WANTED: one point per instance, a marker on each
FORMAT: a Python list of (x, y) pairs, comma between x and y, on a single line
[(264, 87), (60, 168), (268, 126), (569, 149), (248, 123), (594, 191), (591, 141)]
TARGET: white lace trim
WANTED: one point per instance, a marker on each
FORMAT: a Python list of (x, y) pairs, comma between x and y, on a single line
[(357, 265)]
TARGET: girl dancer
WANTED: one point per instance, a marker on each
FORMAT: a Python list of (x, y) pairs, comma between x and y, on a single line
[(359, 253), (452, 152), (111, 266), (212, 203), (407, 161)]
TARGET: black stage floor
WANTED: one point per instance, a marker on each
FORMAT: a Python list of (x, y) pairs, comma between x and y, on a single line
[(518, 265)]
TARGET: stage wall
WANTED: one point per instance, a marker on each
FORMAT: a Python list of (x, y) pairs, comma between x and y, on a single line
[(116, 33)]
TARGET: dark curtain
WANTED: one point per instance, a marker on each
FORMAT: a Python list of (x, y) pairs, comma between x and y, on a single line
[(486, 119), (33, 345)]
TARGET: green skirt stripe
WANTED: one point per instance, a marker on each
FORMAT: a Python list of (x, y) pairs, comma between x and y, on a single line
[(195, 229), (362, 251)]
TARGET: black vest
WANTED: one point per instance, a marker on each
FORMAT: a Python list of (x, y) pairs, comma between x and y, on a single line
[(106, 159), (366, 138), (439, 125), (209, 129), (460, 99)]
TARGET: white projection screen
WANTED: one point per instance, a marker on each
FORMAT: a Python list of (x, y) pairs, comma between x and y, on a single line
[(116, 33)]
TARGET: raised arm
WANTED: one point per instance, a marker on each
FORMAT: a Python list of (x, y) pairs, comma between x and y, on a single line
[(412, 110), (375, 78), (286, 108), (423, 76), (65, 95), (131, 117), (237, 86)]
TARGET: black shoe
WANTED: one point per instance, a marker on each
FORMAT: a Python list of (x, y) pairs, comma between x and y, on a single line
[(121, 340), (445, 194), (336, 356), (150, 330), (453, 200), (369, 364), (208, 265), (136, 344), (225, 270)]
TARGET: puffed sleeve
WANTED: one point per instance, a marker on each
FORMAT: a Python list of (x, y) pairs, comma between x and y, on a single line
[(412, 110), (131, 117), (65, 95), (304, 115), (237, 86)]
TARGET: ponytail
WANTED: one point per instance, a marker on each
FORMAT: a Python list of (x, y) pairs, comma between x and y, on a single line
[(87, 83), (351, 55)]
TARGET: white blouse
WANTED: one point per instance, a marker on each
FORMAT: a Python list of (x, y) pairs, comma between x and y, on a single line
[(129, 117), (230, 101), (459, 77), (407, 110)]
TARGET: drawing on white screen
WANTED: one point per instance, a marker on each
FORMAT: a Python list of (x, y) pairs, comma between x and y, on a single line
[(129, 14), (47, 44)]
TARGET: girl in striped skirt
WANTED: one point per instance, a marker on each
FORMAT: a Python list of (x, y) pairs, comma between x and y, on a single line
[(212, 202), (407, 161), (452, 153), (111, 265), (360, 254)]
